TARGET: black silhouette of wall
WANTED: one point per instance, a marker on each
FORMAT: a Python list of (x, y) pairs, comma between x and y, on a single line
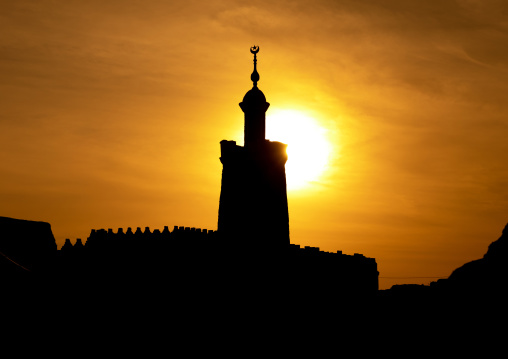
[(152, 255), (191, 257)]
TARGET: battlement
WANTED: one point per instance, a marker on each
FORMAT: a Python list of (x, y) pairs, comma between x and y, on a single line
[(230, 151), (207, 255), (271, 151), (195, 235), (181, 233)]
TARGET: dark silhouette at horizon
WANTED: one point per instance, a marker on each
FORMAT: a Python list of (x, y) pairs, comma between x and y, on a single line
[(250, 252), (246, 271)]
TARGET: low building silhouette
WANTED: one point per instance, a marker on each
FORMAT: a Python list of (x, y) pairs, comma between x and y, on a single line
[(25, 246)]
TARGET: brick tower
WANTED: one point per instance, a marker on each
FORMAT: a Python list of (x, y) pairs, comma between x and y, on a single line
[(253, 208)]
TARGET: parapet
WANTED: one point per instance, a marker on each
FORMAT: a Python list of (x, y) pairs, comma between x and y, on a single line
[(178, 233), (205, 251), (69, 247), (230, 151), (276, 151)]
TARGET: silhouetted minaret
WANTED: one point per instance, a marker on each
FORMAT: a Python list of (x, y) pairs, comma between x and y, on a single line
[(253, 207), (254, 106)]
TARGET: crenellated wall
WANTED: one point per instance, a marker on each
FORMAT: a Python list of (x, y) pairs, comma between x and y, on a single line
[(99, 237), (205, 253)]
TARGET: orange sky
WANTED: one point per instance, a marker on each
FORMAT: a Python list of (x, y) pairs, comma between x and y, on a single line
[(111, 114)]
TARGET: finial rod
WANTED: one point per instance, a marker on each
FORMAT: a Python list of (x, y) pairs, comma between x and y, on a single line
[(255, 75)]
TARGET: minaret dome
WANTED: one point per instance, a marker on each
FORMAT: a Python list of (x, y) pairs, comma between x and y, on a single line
[(254, 106)]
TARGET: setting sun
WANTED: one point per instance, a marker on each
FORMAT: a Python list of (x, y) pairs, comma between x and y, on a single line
[(308, 146)]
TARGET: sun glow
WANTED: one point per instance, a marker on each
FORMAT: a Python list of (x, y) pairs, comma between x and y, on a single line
[(308, 147)]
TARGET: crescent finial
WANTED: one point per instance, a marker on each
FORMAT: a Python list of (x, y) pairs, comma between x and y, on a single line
[(255, 75)]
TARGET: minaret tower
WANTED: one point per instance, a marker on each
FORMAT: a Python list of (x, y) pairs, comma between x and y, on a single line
[(253, 208), (254, 106)]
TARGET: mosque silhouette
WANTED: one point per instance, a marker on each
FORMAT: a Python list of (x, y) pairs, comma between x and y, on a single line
[(241, 285), (250, 250)]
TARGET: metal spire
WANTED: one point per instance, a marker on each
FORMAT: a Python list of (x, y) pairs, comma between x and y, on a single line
[(255, 76)]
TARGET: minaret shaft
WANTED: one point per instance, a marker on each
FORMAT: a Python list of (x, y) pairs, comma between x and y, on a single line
[(254, 106)]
